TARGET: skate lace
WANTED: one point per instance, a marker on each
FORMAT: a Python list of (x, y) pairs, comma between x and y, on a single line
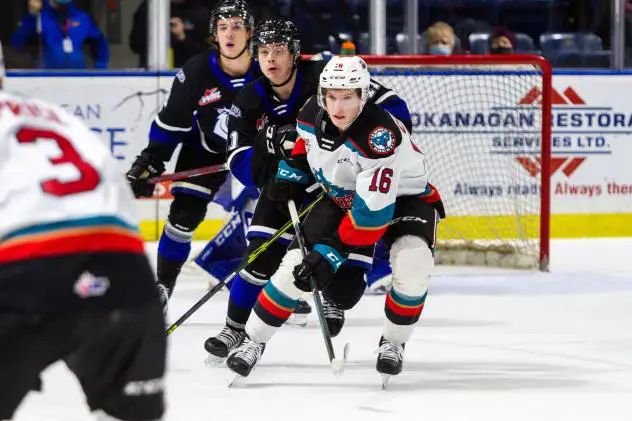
[(331, 310), (391, 351), (250, 351), (230, 337)]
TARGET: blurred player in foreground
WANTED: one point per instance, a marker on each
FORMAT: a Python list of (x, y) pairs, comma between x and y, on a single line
[(75, 284)]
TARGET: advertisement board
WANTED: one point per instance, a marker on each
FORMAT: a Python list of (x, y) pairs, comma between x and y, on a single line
[(592, 142)]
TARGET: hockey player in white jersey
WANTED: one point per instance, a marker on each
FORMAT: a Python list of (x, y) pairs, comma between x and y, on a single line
[(375, 177), (75, 283)]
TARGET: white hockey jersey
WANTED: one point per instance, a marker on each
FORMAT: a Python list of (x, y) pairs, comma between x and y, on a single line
[(364, 170), (61, 191)]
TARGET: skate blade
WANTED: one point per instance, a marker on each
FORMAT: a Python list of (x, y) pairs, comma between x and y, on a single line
[(386, 378), (238, 381), (299, 320), (338, 365), (212, 361)]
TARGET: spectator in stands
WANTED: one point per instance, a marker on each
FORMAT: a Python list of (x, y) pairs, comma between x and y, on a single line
[(319, 19), (62, 30), (189, 31), (440, 39), (502, 41)]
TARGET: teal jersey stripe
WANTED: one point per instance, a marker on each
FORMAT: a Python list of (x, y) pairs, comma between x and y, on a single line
[(71, 223), (303, 126), (278, 297), (406, 300), (365, 217), (351, 145)]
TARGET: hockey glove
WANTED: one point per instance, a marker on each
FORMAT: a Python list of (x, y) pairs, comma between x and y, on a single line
[(145, 166), (321, 263), (280, 140), (289, 183)]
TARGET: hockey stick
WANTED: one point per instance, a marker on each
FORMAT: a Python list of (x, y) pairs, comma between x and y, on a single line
[(189, 173), (251, 257), (337, 365)]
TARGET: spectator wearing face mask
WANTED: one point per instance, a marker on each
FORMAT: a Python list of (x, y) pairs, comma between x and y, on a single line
[(62, 29), (440, 39), (502, 41)]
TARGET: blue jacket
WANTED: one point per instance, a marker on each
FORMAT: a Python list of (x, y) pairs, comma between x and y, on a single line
[(80, 28)]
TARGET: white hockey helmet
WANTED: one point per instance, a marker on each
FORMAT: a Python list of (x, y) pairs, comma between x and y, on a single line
[(345, 72)]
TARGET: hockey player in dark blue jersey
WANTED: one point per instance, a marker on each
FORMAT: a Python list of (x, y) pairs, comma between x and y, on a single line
[(222, 254), (195, 116), (257, 141)]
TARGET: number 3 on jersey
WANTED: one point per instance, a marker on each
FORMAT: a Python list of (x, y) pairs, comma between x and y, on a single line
[(381, 180), (88, 176)]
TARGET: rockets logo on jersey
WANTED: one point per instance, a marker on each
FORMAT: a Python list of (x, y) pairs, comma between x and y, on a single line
[(210, 96), (262, 121), (340, 196), (381, 140)]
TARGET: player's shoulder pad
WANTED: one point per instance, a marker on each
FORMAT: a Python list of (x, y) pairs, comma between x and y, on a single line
[(196, 65), (248, 98), (379, 93), (375, 134)]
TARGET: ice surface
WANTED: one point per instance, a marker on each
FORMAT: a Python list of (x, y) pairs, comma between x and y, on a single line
[(491, 345)]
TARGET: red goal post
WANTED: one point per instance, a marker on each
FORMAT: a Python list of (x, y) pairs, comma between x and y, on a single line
[(484, 123)]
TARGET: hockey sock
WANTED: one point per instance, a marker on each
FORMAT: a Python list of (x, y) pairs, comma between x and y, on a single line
[(277, 301), (243, 294), (402, 312), (173, 249), (412, 263), (272, 309)]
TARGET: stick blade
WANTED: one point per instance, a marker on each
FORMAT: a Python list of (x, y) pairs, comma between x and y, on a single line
[(338, 365)]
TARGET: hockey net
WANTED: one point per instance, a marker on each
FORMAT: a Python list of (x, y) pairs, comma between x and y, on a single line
[(484, 124)]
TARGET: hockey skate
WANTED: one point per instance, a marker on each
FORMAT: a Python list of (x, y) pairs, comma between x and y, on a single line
[(334, 315), (390, 360), (244, 358), (221, 345), (300, 315)]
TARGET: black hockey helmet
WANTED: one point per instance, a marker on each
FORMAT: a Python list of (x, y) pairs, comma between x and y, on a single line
[(276, 31), (229, 9)]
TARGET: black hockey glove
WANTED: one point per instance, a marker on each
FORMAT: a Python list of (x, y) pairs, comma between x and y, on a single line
[(282, 191), (145, 166), (321, 263), (289, 183), (280, 140)]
